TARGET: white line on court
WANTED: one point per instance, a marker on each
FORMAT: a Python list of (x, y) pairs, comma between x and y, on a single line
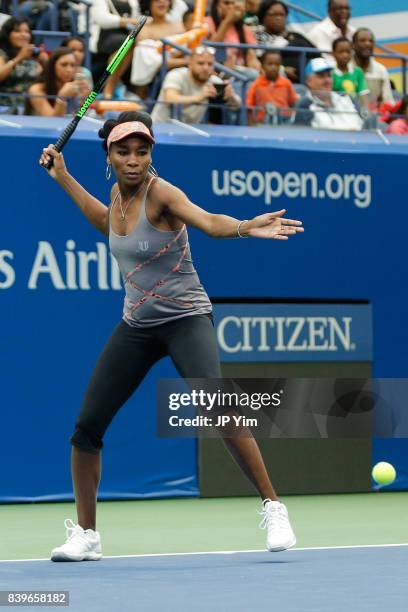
[(383, 137), (92, 120), (190, 128), (10, 123), (225, 552)]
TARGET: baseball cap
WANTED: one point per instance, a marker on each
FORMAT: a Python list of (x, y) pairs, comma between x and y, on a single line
[(135, 128), (318, 64)]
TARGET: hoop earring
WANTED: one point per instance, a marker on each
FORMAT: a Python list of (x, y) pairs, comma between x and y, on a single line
[(108, 172), (153, 170)]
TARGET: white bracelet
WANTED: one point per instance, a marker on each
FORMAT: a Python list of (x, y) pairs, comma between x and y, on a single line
[(239, 227)]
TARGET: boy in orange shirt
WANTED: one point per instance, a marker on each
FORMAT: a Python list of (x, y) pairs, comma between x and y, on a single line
[(271, 87)]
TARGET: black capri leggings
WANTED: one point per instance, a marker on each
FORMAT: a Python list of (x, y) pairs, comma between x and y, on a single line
[(126, 359)]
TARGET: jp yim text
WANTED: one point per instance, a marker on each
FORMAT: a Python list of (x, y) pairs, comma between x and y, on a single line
[(222, 420)]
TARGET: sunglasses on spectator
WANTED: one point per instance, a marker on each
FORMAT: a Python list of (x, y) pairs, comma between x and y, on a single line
[(200, 50)]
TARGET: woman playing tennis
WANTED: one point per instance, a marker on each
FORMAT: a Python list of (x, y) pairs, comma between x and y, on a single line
[(166, 312)]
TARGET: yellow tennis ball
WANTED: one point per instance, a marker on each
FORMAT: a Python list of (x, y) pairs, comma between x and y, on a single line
[(384, 473)]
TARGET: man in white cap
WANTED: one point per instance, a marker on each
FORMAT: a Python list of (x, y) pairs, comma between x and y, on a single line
[(321, 107)]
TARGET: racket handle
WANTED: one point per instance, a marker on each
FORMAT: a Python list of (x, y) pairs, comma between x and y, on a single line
[(63, 139)]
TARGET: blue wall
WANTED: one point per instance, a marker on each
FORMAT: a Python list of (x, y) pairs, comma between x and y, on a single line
[(359, 8), (347, 188)]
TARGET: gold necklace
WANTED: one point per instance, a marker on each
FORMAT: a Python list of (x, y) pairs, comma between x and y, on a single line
[(123, 212)]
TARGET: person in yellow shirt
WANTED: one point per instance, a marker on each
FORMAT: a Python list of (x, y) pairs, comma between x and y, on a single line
[(348, 78)]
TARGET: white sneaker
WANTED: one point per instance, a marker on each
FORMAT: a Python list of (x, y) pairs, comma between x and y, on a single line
[(275, 520), (80, 545)]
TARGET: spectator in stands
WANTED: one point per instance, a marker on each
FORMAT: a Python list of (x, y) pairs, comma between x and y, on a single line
[(176, 12), (111, 21), (159, 26), (146, 59), (375, 74), (273, 31), (115, 17), (37, 13), (270, 90), (348, 78), (188, 19), (227, 26), (192, 89), (400, 125), (251, 18), (20, 62), (335, 25), (58, 82), (77, 46), (322, 108)]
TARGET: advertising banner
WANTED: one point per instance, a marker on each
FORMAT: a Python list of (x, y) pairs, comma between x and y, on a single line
[(61, 295)]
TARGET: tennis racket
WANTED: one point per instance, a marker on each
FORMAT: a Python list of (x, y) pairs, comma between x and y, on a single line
[(116, 61)]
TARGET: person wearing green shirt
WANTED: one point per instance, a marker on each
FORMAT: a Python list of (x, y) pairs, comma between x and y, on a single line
[(347, 78)]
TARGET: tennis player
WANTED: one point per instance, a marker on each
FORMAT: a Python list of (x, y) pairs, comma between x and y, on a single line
[(166, 312)]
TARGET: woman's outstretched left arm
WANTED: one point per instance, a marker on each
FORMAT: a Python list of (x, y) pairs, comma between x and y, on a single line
[(269, 225)]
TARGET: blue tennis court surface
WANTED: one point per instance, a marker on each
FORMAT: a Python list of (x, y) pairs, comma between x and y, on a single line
[(355, 579)]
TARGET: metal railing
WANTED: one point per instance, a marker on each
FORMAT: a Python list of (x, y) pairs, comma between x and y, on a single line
[(287, 117), (304, 51), (21, 98)]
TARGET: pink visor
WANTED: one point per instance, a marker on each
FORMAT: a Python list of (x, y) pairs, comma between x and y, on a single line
[(130, 128)]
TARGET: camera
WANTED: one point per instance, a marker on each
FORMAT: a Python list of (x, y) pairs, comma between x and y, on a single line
[(215, 113), (220, 86)]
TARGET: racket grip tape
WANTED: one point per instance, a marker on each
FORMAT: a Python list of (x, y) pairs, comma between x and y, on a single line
[(63, 139)]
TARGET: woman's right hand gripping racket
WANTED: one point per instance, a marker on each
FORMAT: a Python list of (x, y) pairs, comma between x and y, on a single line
[(53, 161)]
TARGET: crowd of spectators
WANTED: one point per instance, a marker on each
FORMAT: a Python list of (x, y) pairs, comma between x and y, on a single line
[(338, 84), (274, 32)]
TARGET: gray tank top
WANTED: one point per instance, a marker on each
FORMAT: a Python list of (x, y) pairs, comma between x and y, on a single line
[(160, 280)]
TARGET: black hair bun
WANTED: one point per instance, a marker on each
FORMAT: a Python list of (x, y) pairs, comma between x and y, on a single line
[(107, 128)]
